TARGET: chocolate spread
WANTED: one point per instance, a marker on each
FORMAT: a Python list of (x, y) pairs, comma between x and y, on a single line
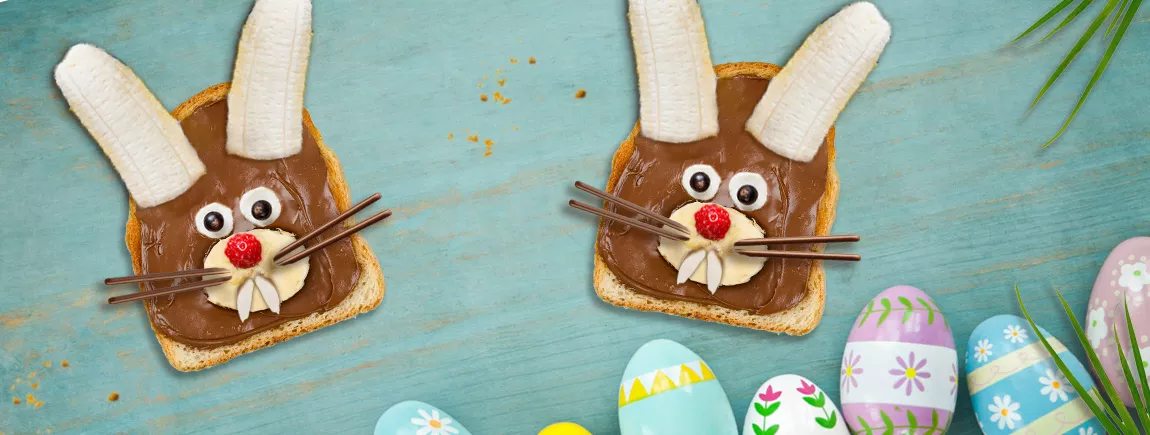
[(170, 242), (652, 179)]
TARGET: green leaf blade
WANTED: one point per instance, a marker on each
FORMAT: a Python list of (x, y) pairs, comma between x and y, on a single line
[(1069, 17), (1049, 14), (1102, 64), (1073, 54)]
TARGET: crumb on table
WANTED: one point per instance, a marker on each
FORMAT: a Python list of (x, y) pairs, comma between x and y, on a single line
[(531, 60), (473, 138), (450, 136), (483, 97), (489, 143), (113, 397), (580, 93), (47, 364), (514, 60), (64, 363), (502, 81), (15, 400)]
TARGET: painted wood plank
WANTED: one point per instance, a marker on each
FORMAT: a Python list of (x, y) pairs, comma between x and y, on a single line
[(490, 312)]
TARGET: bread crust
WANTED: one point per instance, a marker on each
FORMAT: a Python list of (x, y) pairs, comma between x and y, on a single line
[(797, 320), (368, 291)]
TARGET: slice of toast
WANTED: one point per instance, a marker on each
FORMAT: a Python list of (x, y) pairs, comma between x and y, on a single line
[(368, 289), (797, 320)]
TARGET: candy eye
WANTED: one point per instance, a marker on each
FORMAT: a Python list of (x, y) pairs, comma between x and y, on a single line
[(748, 191), (260, 206), (214, 220), (701, 182)]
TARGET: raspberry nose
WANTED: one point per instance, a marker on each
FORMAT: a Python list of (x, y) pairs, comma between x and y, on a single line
[(712, 222), (244, 251)]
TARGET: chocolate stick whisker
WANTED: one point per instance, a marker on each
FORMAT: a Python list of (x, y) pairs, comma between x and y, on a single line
[(342, 217), (634, 223), (164, 275), (341, 235), (798, 239), (798, 254), (632, 206), (167, 291)]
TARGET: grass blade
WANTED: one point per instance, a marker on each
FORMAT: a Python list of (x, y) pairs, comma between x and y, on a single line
[(1138, 405), (1111, 393), (1117, 16), (1050, 14), (1072, 54), (1139, 363), (1131, 10), (1073, 14), (1096, 406)]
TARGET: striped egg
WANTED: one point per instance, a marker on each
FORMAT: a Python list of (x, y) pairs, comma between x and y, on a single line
[(669, 390), (1015, 386), (900, 368)]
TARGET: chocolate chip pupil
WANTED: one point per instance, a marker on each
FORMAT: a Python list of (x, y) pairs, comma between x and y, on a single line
[(261, 210), (700, 182), (747, 194), (214, 221)]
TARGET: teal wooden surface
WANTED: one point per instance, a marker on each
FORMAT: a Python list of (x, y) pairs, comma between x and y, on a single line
[(489, 311)]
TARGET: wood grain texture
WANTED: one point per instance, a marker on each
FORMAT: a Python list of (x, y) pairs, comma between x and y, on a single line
[(490, 312)]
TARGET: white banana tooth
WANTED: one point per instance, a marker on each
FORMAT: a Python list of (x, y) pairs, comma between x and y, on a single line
[(268, 292), (805, 98), (144, 143), (265, 103), (714, 272), (244, 300), (690, 263), (676, 79)]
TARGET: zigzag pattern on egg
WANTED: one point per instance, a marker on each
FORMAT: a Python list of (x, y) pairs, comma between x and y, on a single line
[(663, 380)]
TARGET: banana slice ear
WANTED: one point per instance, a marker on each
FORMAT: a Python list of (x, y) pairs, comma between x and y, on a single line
[(265, 103), (676, 79), (805, 98), (145, 144)]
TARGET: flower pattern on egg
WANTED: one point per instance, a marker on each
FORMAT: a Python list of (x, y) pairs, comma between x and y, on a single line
[(911, 373), (1096, 326), (1004, 412), (850, 371), (433, 424), (983, 351), (1015, 334), (1133, 276), (1053, 386)]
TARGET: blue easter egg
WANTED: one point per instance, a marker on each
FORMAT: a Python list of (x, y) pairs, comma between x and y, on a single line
[(1016, 387), (669, 390), (417, 418)]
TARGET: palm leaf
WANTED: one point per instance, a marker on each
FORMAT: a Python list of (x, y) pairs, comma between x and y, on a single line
[(1107, 386), (1139, 363), (1114, 19), (1094, 405), (1131, 10), (1141, 407), (1054, 11), (1070, 17), (1074, 53)]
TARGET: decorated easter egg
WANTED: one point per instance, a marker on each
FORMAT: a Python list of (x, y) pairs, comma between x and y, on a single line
[(900, 369), (565, 428), (417, 418), (791, 404), (667, 389), (1123, 275), (1015, 386)]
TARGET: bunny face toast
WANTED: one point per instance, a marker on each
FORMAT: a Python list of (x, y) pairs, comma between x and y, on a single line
[(227, 183), (730, 154)]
